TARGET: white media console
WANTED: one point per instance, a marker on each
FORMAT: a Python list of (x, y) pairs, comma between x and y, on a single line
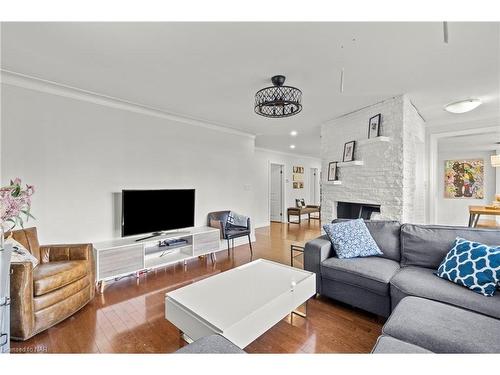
[(125, 256)]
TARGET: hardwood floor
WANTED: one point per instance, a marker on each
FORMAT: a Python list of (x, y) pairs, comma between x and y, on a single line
[(129, 316)]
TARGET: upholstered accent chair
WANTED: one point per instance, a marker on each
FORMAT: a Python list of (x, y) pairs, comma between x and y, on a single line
[(218, 219), (60, 285)]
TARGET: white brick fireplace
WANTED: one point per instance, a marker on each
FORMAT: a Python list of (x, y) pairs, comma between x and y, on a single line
[(392, 173)]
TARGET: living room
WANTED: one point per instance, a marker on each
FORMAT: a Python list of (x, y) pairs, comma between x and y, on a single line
[(250, 187)]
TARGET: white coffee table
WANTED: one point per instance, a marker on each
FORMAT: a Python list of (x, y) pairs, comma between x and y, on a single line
[(240, 304)]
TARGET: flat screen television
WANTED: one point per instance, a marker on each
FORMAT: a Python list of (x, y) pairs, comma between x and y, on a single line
[(155, 211)]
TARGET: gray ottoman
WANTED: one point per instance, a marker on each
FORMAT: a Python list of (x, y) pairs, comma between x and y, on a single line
[(390, 345), (442, 328), (214, 344)]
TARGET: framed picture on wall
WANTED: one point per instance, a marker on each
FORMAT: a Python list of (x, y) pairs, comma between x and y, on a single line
[(464, 179), (332, 171), (374, 126), (348, 151)]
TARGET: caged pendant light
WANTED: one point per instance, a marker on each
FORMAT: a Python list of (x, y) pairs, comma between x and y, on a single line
[(278, 100)]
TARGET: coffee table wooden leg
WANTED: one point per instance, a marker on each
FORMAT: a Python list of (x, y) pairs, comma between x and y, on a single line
[(185, 337), (300, 313)]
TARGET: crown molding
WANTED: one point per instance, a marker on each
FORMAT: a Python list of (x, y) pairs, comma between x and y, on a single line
[(37, 84), (286, 153)]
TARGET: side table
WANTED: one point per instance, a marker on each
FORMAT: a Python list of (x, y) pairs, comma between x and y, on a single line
[(298, 250)]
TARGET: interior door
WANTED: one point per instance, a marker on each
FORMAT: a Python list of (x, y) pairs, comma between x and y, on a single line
[(275, 196)]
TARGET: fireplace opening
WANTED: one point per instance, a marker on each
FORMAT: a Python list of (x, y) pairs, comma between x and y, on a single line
[(348, 210)]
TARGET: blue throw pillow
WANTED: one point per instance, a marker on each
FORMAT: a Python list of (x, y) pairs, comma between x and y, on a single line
[(473, 265), (352, 239)]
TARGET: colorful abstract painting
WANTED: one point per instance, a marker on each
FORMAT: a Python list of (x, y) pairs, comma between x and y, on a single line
[(464, 179)]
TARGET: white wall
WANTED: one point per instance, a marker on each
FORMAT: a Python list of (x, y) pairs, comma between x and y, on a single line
[(456, 211), (262, 161), (80, 154)]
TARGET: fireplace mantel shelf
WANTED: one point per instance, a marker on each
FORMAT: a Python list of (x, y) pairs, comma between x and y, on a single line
[(374, 140), (350, 163), (336, 182)]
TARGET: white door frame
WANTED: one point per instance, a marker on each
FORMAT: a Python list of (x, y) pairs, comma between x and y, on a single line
[(314, 188), (283, 214), (433, 167)]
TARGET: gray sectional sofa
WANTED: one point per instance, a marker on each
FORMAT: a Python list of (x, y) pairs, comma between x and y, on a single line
[(379, 284)]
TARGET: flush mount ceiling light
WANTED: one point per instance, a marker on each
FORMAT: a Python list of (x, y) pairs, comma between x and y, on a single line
[(292, 146), (293, 133), (463, 106), (278, 100)]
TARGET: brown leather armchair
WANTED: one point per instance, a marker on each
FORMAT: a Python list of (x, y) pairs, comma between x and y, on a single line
[(60, 285)]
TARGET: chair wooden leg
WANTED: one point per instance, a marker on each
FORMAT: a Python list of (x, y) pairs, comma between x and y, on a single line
[(228, 248), (250, 243)]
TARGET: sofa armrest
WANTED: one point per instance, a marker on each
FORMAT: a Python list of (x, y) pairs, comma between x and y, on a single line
[(54, 253), (22, 317), (315, 252), (219, 225)]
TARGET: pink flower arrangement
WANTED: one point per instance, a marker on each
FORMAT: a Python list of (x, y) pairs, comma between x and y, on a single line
[(15, 203)]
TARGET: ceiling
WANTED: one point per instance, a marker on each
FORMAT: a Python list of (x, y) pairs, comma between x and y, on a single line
[(211, 71), (488, 141)]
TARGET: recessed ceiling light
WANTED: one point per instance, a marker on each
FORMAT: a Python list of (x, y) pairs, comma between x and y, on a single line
[(293, 133), (463, 106), (292, 146)]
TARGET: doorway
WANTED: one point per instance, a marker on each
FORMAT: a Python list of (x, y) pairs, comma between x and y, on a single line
[(276, 193), (314, 187)]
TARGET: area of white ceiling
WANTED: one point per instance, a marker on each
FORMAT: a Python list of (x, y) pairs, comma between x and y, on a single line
[(211, 71), (484, 141)]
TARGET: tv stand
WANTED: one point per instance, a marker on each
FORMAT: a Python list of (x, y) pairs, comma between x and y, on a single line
[(125, 256)]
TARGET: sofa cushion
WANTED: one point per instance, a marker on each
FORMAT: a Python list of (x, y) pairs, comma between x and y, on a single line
[(390, 345), (351, 239), (427, 245), (421, 282), (386, 234), (442, 328), (54, 275), (213, 344), (473, 265), (372, 273)]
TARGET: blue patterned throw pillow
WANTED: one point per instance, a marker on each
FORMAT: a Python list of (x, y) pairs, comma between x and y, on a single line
[(352, 239), (473, 265)]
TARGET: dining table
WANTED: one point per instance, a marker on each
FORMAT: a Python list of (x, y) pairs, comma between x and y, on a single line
[(476, 211)]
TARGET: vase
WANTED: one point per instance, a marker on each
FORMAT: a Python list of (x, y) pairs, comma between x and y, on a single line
[(5, 256)]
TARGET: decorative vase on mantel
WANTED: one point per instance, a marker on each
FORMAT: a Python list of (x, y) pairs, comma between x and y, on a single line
[(5, 256)]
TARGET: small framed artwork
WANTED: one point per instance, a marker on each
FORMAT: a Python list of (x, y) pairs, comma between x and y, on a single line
[(332, 171), (349, 151), (374, 126)]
